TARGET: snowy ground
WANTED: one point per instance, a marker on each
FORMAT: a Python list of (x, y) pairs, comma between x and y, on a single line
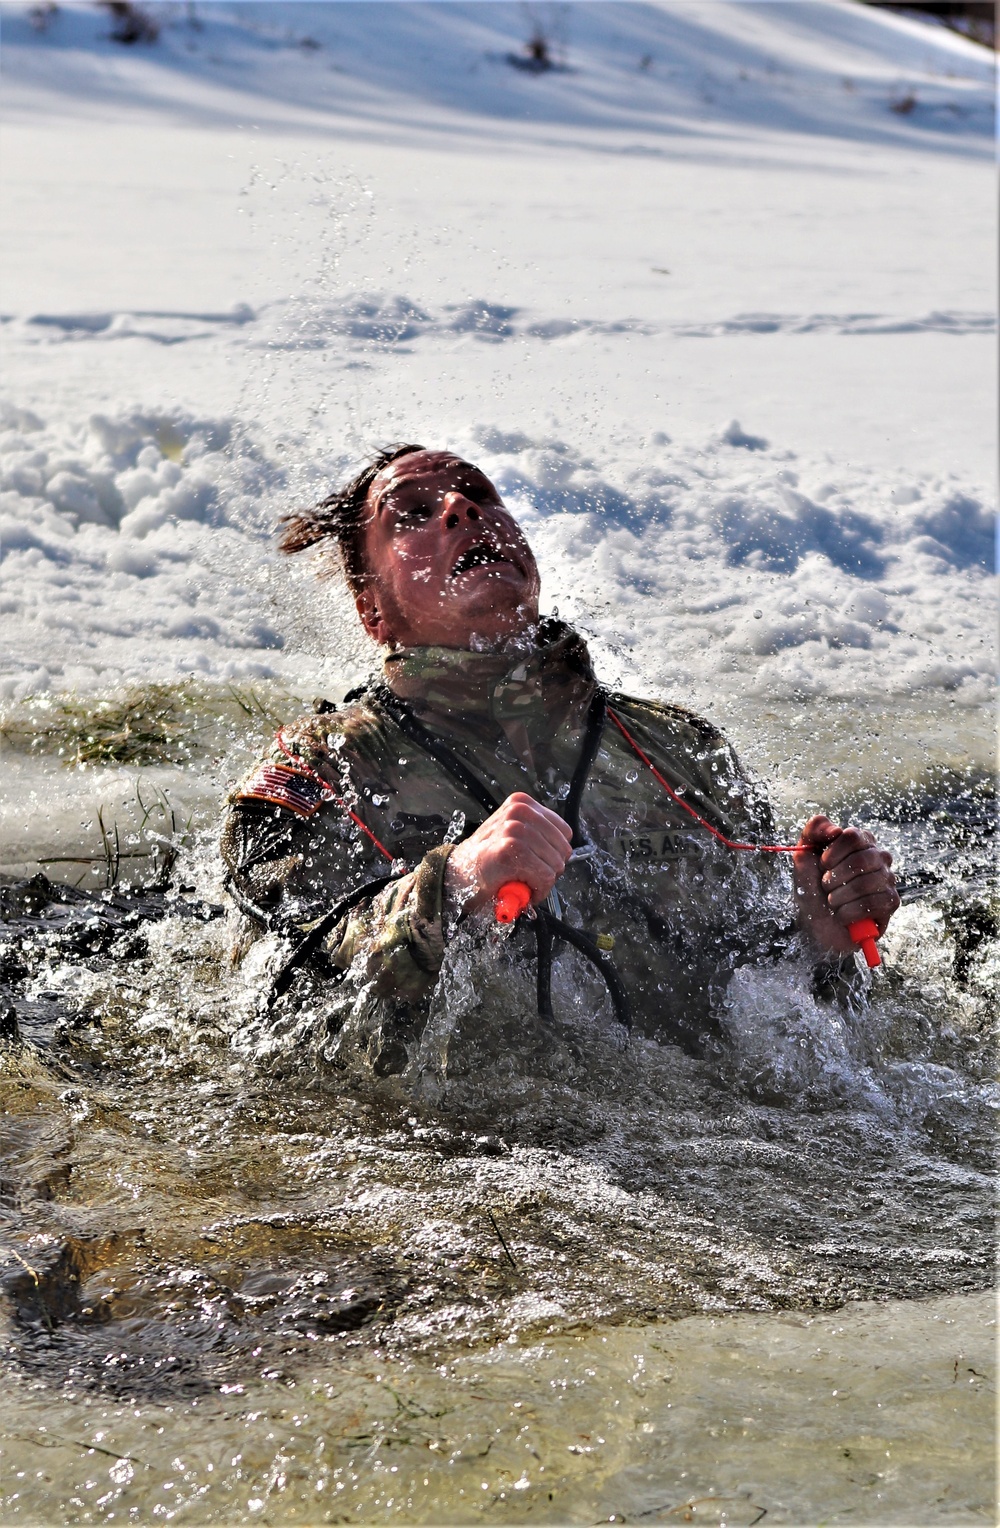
[(236, 258)]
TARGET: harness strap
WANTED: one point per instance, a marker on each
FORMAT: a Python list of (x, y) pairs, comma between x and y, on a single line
[(587, 947), (283, 978), (480, 793), (418, 733), (547, 927), (273, 924), (596, 716), (543, 974)]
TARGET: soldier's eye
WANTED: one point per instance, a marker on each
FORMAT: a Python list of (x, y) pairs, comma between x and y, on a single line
[(409, 515)]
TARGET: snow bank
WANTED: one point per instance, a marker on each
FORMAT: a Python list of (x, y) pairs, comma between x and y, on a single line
[(355, 320), (120, 558), (371, 319), (741, 566), (137, 545), (782, 172)]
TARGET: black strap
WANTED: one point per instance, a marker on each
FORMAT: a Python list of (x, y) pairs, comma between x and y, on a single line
[(306, 947), (272, 922), (418, 733), (543, 942), (480, 793), (596, 717), (589, 948), (547, 927)]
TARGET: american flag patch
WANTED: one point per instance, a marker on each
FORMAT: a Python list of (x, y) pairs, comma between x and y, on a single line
[(285, 787)]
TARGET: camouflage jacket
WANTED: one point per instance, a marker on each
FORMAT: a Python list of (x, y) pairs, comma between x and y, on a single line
[(677, 910)]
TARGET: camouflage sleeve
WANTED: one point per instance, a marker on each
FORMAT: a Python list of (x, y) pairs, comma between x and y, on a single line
[(765, 929), (769, 929), (264, 850), (291, 856), (757, 920), (737, 803), (706, 767), (289, 853), (397, 939)]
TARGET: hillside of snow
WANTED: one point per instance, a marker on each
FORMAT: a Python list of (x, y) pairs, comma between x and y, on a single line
[(698, 70)]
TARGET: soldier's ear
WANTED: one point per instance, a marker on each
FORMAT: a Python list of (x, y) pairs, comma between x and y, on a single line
[(370, 616)]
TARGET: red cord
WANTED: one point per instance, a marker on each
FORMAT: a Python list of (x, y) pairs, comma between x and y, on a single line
[(303, 769), (729, 842), (863, 932)]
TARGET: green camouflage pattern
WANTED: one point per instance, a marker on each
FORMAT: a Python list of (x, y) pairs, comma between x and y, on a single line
[(679, 910)]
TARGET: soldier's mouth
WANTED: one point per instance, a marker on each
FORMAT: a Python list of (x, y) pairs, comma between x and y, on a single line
[(481, 556)]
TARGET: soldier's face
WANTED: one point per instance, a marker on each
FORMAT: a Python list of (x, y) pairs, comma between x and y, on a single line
[(451, 566)]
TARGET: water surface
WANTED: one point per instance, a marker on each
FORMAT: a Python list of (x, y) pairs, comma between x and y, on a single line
[(564, 1278)]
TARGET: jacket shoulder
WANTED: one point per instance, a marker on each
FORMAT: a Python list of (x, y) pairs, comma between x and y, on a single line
[(678, 719), (301, 767)]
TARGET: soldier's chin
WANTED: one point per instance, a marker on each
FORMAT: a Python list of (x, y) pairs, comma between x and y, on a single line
[(491, 632)]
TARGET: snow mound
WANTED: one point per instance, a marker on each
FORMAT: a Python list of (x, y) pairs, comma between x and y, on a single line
[(951, 322), (139, 545), (378, 320), (381, 320), (718, 567), (119, 555), (164, 328)]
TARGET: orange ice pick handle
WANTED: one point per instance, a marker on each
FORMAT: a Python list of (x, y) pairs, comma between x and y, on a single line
[(865, 932), (511, 901)]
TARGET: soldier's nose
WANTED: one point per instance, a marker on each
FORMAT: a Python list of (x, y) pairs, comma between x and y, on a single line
[(454, 516)]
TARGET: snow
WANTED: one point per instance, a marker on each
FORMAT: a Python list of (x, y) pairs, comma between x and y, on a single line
[(715, 312), (675, 70)]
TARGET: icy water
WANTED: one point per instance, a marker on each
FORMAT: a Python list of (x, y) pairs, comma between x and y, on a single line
[(577, 1281)]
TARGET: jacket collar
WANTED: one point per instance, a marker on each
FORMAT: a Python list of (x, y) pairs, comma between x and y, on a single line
[(457, 682)]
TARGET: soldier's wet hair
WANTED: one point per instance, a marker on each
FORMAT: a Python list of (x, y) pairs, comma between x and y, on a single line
[(340, 518)]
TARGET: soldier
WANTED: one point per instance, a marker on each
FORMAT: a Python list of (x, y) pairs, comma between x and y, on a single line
[(375, 833)]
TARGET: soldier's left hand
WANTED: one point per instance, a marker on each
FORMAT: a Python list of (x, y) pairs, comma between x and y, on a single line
[(841, 875)]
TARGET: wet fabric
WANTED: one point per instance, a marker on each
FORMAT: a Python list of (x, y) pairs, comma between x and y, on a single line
[(677, 911)]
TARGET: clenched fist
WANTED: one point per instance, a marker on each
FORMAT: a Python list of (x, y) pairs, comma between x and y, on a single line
[(841, 875), (522, 841)]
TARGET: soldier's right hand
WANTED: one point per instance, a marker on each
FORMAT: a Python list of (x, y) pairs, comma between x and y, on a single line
[(522, 841)]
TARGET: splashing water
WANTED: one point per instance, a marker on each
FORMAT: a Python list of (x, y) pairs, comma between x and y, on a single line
[(828, 1152), (203, 1204), (204, 1207)]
